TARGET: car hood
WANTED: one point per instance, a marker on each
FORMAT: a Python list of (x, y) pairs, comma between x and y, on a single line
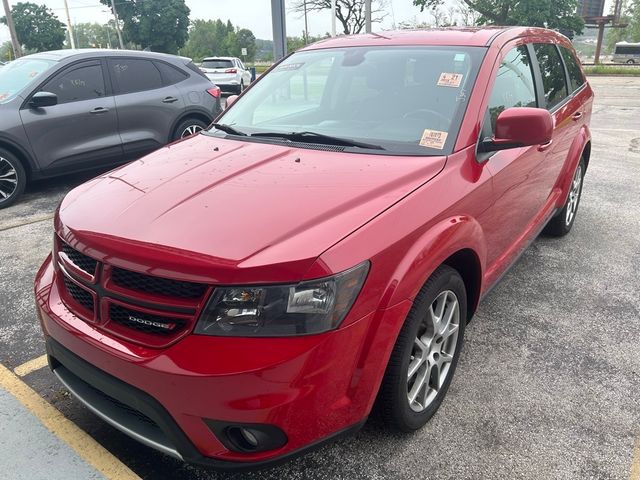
[(233, 211)]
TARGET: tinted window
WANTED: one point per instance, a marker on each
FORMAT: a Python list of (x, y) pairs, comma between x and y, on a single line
[(79, 83), (628, 50), (553, 79), (575, 74), (192, 66), (217, 64), (170, 75), (132, 75), (514, 85)]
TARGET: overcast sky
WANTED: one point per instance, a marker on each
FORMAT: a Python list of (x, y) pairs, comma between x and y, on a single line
[(252, 14)]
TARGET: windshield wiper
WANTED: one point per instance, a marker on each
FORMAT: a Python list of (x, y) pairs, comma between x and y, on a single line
[(228, 129), (319, 138)]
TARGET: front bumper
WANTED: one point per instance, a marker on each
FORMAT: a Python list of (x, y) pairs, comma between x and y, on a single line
[(311, 388)]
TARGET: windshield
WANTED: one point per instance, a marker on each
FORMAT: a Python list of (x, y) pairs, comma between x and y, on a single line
[(15, 76), (406, 100), (217, 64)]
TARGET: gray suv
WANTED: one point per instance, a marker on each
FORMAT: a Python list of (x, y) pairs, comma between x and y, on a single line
[(74, 110)]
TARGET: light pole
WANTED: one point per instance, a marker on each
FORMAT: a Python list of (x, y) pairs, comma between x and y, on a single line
[(17, 48), (367, 16), (115, 15), (69, 26), (333, 18)]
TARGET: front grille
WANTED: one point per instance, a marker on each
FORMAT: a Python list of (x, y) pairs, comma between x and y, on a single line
[(157, 285), (144, 322), (79, 294), (114, 300), (84, 263)]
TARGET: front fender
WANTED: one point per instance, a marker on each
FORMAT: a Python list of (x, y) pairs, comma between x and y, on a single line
[(429, 251)]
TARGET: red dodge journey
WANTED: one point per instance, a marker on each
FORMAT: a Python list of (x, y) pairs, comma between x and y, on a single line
[(249, 292)]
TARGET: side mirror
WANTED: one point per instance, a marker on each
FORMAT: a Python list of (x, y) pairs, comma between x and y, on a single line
[(520, 127), (43, 99), (230, 100)]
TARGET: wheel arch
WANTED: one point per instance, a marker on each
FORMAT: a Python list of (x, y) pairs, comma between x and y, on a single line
[(458, 242), (580, 149), (21, 154), (197, 114)]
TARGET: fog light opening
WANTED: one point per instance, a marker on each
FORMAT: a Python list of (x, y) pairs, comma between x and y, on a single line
[(248, 438)]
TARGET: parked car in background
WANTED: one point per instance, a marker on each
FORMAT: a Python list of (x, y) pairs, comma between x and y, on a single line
[(229, 73), (626, 53), (73, 110), (254, 290)]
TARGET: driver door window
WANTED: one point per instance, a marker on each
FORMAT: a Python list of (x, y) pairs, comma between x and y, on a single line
[(84, 82), (514, 85)]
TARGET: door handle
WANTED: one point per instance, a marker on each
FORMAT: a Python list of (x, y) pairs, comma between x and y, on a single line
[(545, 146), (576, 116), (170, 100), (99, 110)]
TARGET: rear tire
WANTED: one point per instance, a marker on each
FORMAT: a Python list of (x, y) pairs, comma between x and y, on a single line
[(13, 178), (630, 62), (561, 224), (426, 351), (188, 127)]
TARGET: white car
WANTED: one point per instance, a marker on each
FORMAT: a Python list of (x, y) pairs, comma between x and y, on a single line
[(229, 73)]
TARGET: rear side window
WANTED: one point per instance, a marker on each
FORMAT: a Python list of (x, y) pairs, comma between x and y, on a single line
[(192, 66), (553, 79), (575, 74), (134, 75), (82, 82), (170, 75), (514, 85), (217, 64)]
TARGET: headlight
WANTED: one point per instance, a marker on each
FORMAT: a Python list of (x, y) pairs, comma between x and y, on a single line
[(308, 307)]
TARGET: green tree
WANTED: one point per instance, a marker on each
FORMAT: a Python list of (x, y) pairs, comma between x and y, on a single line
[(555, 14), (159, 25), (37, 27), (6, 52), (95, 35), (246, 39), (631, 33)]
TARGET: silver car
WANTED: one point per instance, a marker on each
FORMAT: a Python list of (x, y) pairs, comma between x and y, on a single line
[(74, 110), (229, 73)]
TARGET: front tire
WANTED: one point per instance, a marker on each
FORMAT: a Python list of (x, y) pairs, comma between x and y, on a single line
[(13, 179), (426, 353), (561, 224)]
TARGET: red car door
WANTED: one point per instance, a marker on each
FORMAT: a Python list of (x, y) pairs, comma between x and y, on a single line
[(562, 108), (516, 172)]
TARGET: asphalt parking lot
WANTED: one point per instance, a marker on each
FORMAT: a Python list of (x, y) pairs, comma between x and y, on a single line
[(548, 385)]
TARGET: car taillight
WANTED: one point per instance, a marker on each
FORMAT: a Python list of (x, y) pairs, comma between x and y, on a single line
[(214, 92), (231, 70)]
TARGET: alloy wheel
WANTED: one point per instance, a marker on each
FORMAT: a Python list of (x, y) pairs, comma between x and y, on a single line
[(191, 130), (574, 195), (8, 179), (433, 351)]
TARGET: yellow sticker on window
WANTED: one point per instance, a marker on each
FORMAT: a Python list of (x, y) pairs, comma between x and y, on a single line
[(433, 139), (450, 79)]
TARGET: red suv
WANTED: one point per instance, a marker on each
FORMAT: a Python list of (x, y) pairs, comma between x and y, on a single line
[(247, 293)]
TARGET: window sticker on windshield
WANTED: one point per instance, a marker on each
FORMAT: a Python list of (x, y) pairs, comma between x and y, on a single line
[(433, 139), (459, 57), (289, 67), (450, 80)]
